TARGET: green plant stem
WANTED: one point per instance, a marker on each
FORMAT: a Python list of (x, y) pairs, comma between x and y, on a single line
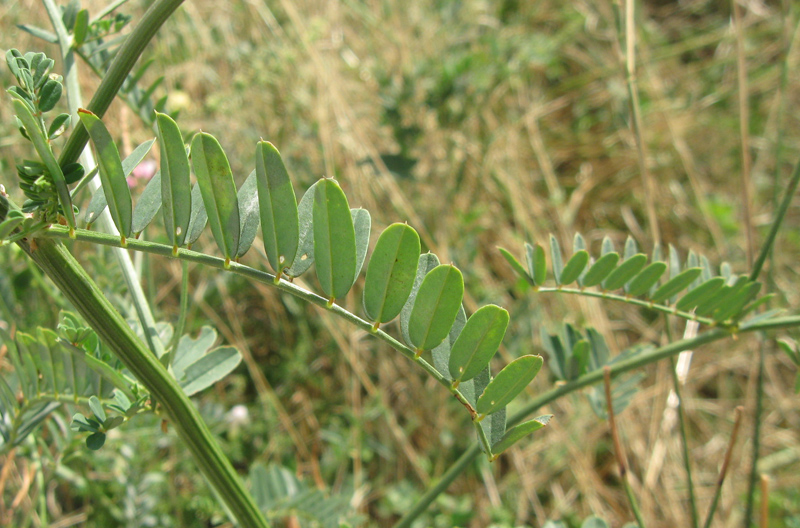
[(186, 255), (56, 261), (632, 363), (158, 12), (755, 441), (724, 469), (776, 223), (74, 101), (631, 300)]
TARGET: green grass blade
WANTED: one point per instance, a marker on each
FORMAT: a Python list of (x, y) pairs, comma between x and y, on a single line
[(219, 192), (508, 383), (391, 272), (112, 176), (435, 307), (176, 187), (334, 240), (280, 225)]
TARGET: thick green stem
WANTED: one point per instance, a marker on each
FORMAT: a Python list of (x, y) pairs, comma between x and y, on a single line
[(54, 259), (124, 61)]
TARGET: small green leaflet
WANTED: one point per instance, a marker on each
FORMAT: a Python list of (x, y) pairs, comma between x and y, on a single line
[(305, 247), (508, 384), (700, 294), (278, 205), (334, 240), (645, 280), (209, 369), (435, 307), (391, 272), (555, 255), (537, 263), (219, 192), (478, 342), (147, 205), (176, 189), (425, 264), (574, 267), (676, 284), (518, 432), (112, 176), (625, 272), (600, 269), (362, 224), (198, 218), (515, 265), (248, 214)]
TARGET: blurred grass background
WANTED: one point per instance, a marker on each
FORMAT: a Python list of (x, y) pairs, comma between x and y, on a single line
[(482, 124)]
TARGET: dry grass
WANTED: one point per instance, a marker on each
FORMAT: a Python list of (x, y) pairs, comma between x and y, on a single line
[(518, 127)]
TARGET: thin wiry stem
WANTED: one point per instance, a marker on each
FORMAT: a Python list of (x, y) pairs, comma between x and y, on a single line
[(725, 464)]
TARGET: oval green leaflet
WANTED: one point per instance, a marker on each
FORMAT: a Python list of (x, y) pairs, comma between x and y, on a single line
[(305, 247), (435, 307), (112, 176), (176, 187), (508, 383), (676, 284), (555, 255), (219, 192), (426, 263), (516, 266), (248, 214), (574, 267), (625, 272), (278, 205), (362, 224), (334, 240), (391, 272), (700, 294), (518, 432), (478, 342), (600, 269), (537, 263), (646, 279)]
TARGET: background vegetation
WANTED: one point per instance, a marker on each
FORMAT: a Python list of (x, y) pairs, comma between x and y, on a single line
[(482, 124)]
